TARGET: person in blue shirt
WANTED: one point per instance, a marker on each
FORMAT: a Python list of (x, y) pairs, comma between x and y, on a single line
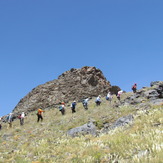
[(73, 105)]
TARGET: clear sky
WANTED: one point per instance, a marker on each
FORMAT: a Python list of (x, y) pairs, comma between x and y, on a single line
[(41, 39)]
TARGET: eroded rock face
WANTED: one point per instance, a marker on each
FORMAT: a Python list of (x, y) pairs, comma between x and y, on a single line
[(74, 84)]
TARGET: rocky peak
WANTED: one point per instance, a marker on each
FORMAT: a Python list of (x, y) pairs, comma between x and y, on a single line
[(74, 84)]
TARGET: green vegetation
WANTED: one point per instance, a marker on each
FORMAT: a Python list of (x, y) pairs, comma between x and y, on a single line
[(47, 142)]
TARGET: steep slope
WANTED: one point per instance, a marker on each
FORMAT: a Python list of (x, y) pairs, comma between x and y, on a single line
[(75, 84), (138, 141)]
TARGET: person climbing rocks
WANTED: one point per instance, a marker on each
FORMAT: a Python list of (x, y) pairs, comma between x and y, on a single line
[(85, 103), (98, 100), (62, 108), (39, 114), (73, 105), (119, 94), (109, 97), (134, 88)]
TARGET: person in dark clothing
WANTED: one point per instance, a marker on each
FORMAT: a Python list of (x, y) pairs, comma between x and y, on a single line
[(39, 115), (73, 105), (134, 88)]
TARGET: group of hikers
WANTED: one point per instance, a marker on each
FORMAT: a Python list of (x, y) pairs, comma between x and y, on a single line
[(9, 117)]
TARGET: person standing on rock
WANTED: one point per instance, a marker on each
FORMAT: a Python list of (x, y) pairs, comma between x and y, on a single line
[(85, 103), (73, 105), (62, 108), (134, 88), (39, 114)]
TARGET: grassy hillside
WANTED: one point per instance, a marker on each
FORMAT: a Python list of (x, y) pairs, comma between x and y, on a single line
[(47, 142)]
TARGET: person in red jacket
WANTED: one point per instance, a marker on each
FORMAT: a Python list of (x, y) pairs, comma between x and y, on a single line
[(134, 88)]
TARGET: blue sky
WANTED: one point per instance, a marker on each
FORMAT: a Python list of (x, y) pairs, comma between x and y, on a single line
[(39, 40)]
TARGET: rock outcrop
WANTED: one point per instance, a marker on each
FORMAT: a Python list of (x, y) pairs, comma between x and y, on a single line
[(149, 95), (75, 84), (88, 128)]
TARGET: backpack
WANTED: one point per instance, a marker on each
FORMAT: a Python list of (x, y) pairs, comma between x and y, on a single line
[(60, 108)]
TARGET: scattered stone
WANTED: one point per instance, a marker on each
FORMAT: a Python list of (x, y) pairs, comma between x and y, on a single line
[(122, 121), (88, 128)]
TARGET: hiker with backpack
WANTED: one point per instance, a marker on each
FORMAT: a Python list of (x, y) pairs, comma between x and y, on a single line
[(85, 103), (39, 115), (21, 117), (119, 94), (98, 100), (62, 108), (73, 105), (109, 97), (134, 88)]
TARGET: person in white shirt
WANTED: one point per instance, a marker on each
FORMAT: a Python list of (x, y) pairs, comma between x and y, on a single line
[(98, 100), (119, 94), (22, 118), (109, 97), (85, 103)]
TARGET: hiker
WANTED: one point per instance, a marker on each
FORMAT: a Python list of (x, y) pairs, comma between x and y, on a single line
[(62, 108), (10, 119), (85, 103), (98, 100), (109, 97), (21, 117), (119, 94), (134, 88), (73, 105), (39, 115)]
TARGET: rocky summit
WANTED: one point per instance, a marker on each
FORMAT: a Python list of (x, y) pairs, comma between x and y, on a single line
[(74, 84)]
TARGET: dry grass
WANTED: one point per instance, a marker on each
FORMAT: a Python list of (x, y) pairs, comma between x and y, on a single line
[(47, 142)]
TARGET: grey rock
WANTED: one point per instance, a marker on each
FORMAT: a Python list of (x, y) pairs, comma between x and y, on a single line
[(154, 83), (156, 102), (151, 94), (122, 121), (88, 128)]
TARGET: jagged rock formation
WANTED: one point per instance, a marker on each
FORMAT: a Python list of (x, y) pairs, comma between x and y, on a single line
[(75, 84)]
